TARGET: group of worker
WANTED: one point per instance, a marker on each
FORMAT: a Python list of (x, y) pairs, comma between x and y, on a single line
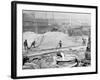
[(26, 45), (33, 44)]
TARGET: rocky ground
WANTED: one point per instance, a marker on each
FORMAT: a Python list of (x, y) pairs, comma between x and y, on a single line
[(56, 60)]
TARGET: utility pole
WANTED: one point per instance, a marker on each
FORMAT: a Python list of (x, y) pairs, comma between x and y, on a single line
[(35, 23)]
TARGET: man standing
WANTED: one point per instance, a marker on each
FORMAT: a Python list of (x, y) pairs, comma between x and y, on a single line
[(60, 44), (25, 45), (84, 41)]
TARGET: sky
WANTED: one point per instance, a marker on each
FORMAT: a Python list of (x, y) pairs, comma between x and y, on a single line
[(73, 19)]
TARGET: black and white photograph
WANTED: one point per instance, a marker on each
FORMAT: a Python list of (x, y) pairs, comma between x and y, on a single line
[(53, 39), (56, 39)]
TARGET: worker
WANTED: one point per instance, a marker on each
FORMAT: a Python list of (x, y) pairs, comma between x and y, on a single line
[(25, 45), (33, 44), (60, 44), (84, 41)]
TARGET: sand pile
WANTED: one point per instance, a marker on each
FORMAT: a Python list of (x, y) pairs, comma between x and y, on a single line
[(50, 40)]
